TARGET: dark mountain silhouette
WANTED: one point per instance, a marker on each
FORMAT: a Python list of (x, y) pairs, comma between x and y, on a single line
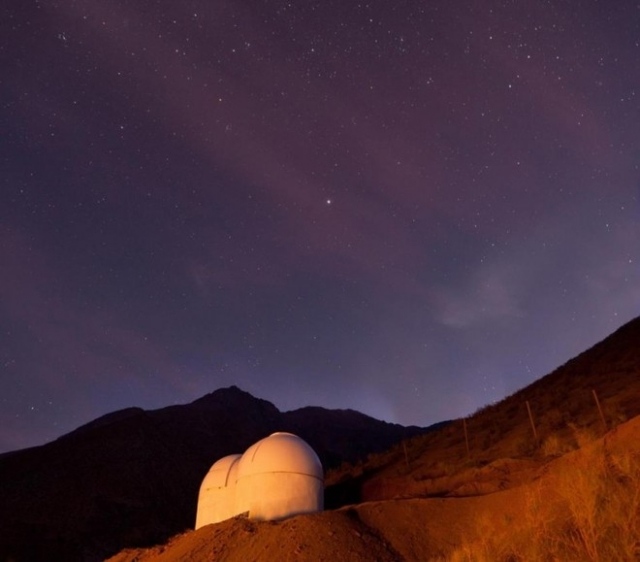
[(131, 477)]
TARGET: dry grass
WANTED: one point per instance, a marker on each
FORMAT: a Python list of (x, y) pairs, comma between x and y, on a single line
[(553, 446), (586, 514)]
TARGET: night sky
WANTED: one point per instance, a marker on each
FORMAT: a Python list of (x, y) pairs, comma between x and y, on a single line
[(408, 208)]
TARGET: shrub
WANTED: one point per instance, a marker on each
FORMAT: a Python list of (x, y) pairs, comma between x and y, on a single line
[(554, 446), (582, 435)]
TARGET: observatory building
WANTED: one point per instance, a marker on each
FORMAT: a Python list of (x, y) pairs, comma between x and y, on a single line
[(217, 498), (277, 477)]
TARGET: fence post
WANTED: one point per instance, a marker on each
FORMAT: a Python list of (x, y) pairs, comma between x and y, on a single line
[(466, 436), (533, 425), (595, 397)]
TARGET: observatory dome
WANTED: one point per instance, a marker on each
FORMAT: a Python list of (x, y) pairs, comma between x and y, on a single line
[(279, 476), (218, 475), (280, 453), (217, 492)]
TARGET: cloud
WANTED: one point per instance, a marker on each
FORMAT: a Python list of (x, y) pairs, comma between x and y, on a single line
[(489, 295)]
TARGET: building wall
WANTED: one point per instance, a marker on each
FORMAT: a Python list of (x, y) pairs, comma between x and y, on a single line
[(276, 495)]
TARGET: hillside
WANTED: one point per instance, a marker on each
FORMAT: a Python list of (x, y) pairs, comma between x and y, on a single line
[(564, 412), (132, 477)]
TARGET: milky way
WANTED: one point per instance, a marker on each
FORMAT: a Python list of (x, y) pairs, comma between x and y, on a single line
[(407, 208)]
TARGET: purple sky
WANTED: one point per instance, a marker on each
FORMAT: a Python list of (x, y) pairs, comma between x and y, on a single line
[(407, 208)]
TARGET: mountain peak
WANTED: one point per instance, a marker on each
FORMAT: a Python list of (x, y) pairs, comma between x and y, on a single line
[(233, 397)]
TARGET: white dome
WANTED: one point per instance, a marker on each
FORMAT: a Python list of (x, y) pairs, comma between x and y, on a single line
[(218, 475), (217, 492), (280, 453)]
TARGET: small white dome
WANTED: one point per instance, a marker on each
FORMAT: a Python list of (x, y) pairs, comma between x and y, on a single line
[(280, 453), (217, 492), (218, 475)]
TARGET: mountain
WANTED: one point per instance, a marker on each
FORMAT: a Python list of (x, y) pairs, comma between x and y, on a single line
[(549, 473), (131, 477)]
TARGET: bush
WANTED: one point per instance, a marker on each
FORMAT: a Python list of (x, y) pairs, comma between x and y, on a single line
[(554, 446)]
